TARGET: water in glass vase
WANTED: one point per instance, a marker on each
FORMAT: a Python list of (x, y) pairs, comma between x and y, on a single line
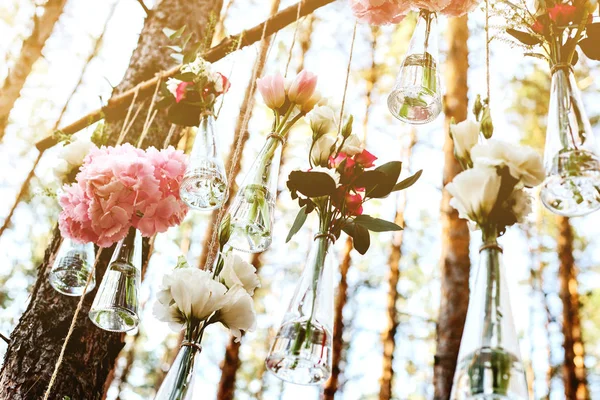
[(252, 219), (119, 291), (70, 274), (490, 374), (573, 187), (300, 354), (204, 187), (415, 96)]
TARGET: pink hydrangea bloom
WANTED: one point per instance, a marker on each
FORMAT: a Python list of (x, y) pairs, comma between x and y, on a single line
[(431, 5), (120, 187), (458, 8), (380, 12)]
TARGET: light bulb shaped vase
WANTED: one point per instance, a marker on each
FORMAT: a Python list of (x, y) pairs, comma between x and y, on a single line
[(115, 307), (301, 352), (489, 363), (572, 185), (252, 211), (179, 382), (72, 267), (416, 97), (204, 185)]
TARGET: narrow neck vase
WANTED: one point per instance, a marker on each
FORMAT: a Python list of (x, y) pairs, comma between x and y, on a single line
[(253, 208), (72, 267), (416, 97), (572, 185), (489, 363), (116, 304), (204, 185), (179, 382), (301, 352)]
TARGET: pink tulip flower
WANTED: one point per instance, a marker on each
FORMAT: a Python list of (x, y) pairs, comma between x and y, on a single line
[(272, 89), (302, 88)]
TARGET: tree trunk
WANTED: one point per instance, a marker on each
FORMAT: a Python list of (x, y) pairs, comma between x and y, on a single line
[(455, 261), (574, 374), (37, 340), (30, 53)]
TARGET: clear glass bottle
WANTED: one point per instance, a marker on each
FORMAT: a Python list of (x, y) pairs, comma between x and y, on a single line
[(72, 267), (489, 363), (572, 185), (301, 352), (204, 185), (253, 208), (416, 97), (115, 306), (179, 382)]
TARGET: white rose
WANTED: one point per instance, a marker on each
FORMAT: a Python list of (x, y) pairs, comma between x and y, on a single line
[(520, 203), (172, 85), (322, 120), (475, 192), (465, 135), (238, 312), (331, 172), (352, 146), (239, 272), (322, 149), (523, 162)]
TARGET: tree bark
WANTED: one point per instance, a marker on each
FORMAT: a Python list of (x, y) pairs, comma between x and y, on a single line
[(574, 373), (37, 340), (30, 52), (455, 263)]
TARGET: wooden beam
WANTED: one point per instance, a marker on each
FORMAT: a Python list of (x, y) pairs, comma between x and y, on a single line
[(227, 46)]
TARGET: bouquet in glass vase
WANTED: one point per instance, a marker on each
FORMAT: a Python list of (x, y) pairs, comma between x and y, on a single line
[(190, 97), (341, 178), (490, 193), (254, 205), (191, 299), (120, 194), (553, 32), (416, 97)]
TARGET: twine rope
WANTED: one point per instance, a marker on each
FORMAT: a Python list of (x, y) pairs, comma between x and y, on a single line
[(187, 343), (491, 246), (347, 78), (327, 235), (487, 49), (276, 137), (560, 66), (289, 60)]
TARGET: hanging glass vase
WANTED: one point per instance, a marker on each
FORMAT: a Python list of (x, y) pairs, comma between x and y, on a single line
[(253, 208), (115, 306), (179, 382), (489, 363), (72, 267), (301, 352), (204, 185), (416, 97), (572, 185)]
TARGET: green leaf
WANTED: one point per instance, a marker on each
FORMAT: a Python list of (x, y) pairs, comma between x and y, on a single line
[(298, 222), (593, 31), (376, 224), (192, 53), (384, 186), (169, 32), (185, 77), (408, 182), (177, 57), (590, 48), (311, 184), (174, 48), (177, 34), (225, 231), (524, 37), (361, 239), (184, 114)]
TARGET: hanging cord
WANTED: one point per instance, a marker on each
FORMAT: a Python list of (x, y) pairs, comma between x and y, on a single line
[(238, 144), (287, 65), (487, 49), (347, 78), (150, 115), (239, 46)]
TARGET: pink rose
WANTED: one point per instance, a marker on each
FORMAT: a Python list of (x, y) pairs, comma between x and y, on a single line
[(272, 90), (365, 159)]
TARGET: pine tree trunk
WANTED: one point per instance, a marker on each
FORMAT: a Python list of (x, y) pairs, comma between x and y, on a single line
[(574, 374), (455, 261), (30, 52), (37, 340)]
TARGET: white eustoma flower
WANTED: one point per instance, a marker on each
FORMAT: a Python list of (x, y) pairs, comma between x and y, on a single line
[(188, 293), (239, 272), (475, 192), (172, 85), (60, 168), (352, 146), (75, 152), (465, 135), (238, 312), (331, 172), (520, 202), (523, 162), (322, 120), (322, 149)]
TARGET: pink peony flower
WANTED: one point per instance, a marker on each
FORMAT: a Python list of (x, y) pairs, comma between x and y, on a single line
[(111, 218), (272, 89), (380, 12), (365, 159), (458, 8), (161, 215), (430, 5), (169, 168), (302, 88)]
